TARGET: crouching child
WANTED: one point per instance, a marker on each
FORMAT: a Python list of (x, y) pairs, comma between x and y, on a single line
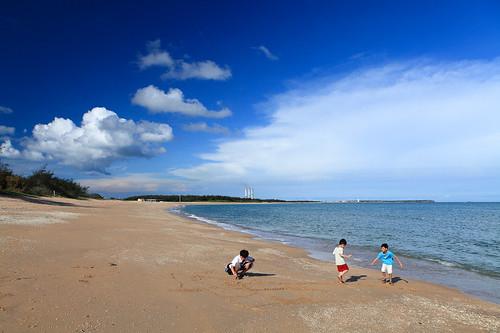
[(241, 264)]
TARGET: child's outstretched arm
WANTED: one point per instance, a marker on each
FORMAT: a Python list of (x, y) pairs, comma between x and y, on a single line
[(399, 261), (374, 261)]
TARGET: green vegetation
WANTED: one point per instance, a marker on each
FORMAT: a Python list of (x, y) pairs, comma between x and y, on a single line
[(41, 183), (197, 198), (201, 198)]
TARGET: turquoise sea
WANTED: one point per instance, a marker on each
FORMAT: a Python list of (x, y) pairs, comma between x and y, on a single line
[(454, 244)]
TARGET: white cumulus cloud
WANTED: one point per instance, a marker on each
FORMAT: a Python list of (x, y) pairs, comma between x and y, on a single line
[(6, 130), (204, 127), (101, 139), (415, 119), (158, 101), (180, 69), (8, 151)]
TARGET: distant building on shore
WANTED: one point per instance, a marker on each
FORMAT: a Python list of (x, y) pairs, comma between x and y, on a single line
[(249, 193), (147, 200), (384, 201)]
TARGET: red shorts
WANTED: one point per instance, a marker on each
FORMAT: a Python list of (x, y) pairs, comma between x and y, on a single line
[(342, 268)]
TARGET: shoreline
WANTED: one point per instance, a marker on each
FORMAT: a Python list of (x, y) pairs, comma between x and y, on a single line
[(112, 266), (318, 253)]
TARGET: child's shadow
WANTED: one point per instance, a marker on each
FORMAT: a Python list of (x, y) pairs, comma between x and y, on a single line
[(253, 274), (355, 278), (396, 279)]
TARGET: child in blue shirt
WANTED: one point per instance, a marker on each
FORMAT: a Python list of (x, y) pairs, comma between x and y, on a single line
[(387, 258)]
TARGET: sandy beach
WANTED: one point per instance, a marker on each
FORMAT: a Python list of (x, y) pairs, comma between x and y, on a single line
[(113, 266)]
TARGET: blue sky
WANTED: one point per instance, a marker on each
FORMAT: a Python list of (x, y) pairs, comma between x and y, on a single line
[(309, 100)]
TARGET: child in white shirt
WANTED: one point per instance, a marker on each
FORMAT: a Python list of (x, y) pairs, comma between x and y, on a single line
[(340, 257)]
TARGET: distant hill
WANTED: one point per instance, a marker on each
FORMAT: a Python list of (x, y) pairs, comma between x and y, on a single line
[(384, 201), (201, 198)]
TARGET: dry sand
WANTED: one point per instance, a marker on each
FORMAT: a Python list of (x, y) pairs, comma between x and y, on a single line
[(110, 266)]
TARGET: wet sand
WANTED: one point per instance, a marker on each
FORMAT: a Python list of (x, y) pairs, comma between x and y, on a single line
[(112, 266)]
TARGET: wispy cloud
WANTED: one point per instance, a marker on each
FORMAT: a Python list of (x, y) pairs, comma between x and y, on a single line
[(359, 55), (204, 127), (265, 51), (5, 110), (6, 130), (415, 119), (206, 70), (173, 101), (101, 139), (134, 182), (155, 56), (179, 68)]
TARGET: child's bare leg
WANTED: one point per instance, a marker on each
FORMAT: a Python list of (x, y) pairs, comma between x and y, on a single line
[(342, 275), (248, 266), (383, 277), (390, 278)]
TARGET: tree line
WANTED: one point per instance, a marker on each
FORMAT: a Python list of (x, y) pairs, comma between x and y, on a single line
[(198, 198), (41, 182), (203, 198)]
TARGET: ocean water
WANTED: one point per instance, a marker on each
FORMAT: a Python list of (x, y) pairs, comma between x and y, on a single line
[(454, 244)]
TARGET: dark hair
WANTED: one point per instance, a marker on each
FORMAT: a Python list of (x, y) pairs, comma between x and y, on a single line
[(343, 242), (385, 245), (244, 253)]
